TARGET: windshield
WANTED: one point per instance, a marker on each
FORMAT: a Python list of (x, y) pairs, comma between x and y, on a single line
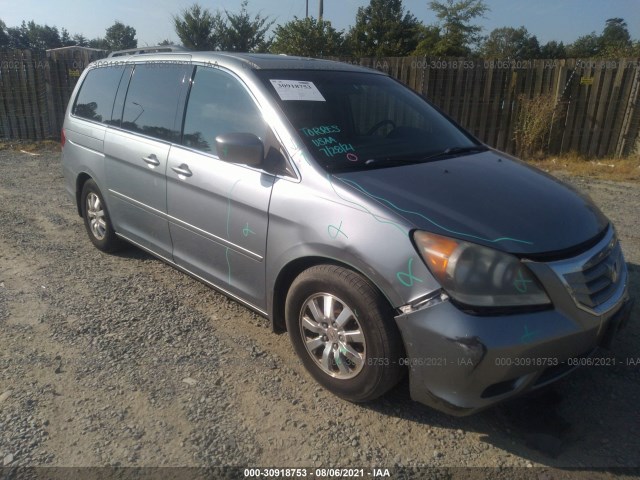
[(352, 121)]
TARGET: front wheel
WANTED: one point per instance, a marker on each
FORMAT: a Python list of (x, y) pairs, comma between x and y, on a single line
[(343, 330)]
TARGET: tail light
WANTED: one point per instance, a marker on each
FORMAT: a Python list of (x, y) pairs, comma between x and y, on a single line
[(63, 138)]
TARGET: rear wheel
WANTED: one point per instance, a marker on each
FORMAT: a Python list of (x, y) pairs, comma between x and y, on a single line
[(96, 218), (343, 330)]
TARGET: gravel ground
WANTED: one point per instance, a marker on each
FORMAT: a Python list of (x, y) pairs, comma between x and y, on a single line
[(120, 360)]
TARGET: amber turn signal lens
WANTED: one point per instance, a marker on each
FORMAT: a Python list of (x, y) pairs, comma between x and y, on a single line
[(436, 250)]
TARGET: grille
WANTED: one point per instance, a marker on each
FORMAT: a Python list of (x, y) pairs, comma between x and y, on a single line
[(599, 277)]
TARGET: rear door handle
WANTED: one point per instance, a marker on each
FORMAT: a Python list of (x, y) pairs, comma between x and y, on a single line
[(182, 170), (151, 160)]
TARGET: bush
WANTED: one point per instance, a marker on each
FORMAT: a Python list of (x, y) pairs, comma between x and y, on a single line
[(534, 124)]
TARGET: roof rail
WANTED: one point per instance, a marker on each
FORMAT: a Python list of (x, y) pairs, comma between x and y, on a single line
[(152, 49)]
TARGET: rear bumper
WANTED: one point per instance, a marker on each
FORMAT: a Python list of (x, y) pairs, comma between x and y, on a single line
[(460, 363)]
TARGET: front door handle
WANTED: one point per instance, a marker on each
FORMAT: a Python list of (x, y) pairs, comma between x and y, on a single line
[(152, 160), (182, 170)]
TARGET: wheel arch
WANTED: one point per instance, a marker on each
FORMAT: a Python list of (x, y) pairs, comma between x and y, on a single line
[(288, 274), (81, 179)]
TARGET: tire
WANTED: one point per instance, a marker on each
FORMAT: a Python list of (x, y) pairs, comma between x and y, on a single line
[(96, 218), (355, 356)]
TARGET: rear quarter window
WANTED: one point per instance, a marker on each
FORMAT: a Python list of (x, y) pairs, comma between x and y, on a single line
[(97, 93)]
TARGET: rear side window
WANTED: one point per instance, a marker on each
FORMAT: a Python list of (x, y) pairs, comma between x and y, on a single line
[(218, 103), (97, 93), (152, 99)]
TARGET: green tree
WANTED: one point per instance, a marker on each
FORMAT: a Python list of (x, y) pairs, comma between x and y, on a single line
[(34, 36), (242, 33), (4, 37), (615, 32), (120, 36), (585, 46), (65, 38), (615, 40), (457, 33), (30, 35), (43, 37), (18, 37), (509, 42), (307, 37), (383, 29), (80, 40), (428, 38), (553, 49), (100, 43), (198, 28)]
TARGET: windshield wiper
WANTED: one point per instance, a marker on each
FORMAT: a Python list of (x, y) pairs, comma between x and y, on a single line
[(373, 163), (400, 160), (455, 151)]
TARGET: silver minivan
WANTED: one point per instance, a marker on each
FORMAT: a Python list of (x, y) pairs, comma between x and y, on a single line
[(354, 215)]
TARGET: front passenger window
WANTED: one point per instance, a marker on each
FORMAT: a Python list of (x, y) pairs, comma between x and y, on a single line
[(218, 103)]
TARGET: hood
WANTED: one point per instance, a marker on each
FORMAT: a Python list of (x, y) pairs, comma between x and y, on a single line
[(485, 198)]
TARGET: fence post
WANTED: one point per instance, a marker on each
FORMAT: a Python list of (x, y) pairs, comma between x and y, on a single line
[(631, 122), (51, 106), (6, 111)]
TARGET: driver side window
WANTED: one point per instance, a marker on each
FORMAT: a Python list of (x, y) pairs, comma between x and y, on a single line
[(218, 103)]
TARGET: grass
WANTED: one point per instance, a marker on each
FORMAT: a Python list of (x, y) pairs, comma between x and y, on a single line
[(617, 169)]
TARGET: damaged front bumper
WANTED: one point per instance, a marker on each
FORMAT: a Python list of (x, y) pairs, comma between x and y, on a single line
[(461, 363)]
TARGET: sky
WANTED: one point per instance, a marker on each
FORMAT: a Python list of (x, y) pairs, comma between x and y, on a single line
[(561, 20)]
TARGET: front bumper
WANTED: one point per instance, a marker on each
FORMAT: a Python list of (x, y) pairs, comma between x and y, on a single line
[(461, 363)]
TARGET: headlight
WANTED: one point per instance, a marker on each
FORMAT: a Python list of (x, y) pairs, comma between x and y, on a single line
[(479, 276)]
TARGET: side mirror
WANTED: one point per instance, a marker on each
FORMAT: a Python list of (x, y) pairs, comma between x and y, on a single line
[(243, 148)]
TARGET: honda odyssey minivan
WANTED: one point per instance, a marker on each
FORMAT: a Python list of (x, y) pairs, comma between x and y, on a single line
[(344, 207)]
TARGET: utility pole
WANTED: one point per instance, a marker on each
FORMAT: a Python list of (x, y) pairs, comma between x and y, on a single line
[(307, 10), (321, 10)]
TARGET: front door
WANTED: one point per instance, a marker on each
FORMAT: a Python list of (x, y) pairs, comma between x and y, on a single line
[(218, 211)]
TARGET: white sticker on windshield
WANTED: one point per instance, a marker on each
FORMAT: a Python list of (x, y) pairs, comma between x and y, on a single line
[(297, 90)]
